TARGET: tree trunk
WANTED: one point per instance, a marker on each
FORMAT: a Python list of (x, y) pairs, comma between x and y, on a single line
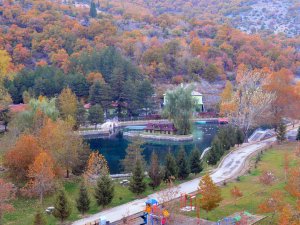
[(68, 172)]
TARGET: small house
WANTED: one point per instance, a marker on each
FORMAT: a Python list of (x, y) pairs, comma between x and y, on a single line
[(160, 128), (197, 96)]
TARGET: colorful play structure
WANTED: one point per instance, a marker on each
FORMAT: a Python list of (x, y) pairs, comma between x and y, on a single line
[(154, 213)]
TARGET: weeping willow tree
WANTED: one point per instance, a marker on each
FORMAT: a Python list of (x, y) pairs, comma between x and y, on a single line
[(179, 108), (37, 110)]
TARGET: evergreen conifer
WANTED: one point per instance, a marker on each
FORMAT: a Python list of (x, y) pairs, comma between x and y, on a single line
[(137, 184), (154, 171), (104, 192), (83, 201), (298, 135), (281, 132), (216, 151), (170, 169), (62, 209), (183, 164), (195, 162), (93, 11), (39, 218)]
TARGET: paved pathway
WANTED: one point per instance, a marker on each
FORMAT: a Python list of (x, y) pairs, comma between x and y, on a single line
[(230, 167)]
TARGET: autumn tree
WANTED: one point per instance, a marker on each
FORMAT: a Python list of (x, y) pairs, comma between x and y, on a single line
[(83, 201), (250, 103), (67, 102), (226, 98), (7, 194), (281, 84), (62, 143), (19, 158), (272, 205), (210, 194), (62, 207), (104, 191), (267, 178), (196, 46), (137, 183), (5, 65), (154, 172), (41, 175), (133, 154), (96, 166), (236, 193), (285, 215), (293, 182)]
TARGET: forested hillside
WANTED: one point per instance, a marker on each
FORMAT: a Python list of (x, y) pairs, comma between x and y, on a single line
[(46, 46)]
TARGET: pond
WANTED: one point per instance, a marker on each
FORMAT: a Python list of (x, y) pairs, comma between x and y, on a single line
[(114, 148)]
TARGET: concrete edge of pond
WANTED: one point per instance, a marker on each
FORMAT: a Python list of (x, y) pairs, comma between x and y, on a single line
[(176, 138)]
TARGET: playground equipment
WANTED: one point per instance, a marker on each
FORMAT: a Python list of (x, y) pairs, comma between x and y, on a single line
[(188, 202), (154, 213)]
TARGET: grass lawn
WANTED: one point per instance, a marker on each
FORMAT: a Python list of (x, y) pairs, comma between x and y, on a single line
[(254, 192), (25, 208)]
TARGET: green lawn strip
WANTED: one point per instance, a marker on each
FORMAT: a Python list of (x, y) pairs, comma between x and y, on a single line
[(254, 193)]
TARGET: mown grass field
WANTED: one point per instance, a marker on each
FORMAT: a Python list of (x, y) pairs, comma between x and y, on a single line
[(254, 193), (25, 208)]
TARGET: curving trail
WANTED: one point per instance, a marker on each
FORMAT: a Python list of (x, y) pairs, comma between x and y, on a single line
[(230, 167)]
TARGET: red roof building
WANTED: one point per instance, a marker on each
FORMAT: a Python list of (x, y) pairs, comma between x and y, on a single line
[(161, 128)]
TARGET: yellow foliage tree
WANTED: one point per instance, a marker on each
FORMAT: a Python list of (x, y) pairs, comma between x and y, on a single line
[(67, 103), (210, 194), (5, 64)]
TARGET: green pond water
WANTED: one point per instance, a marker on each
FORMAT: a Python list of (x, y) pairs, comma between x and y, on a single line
[(114, 148)]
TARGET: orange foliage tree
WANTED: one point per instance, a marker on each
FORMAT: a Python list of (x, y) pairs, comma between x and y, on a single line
[(293, 183), (96, 166), (21, 156), (272, 205), (210, 194), (61, 142), (42, 177), (236, 193)]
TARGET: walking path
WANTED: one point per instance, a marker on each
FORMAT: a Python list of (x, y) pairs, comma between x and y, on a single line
[(229, 168)]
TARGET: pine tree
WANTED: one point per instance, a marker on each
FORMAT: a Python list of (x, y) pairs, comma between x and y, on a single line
[(171, 169), (154, 171), (39, 218), (195, 162), (83, 201), (93, 11), (183, 164), (62, 209), (298, 135), (216, 151), (240, 137), (104, 192), (133, 153), (137, 184), (281, 132)]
